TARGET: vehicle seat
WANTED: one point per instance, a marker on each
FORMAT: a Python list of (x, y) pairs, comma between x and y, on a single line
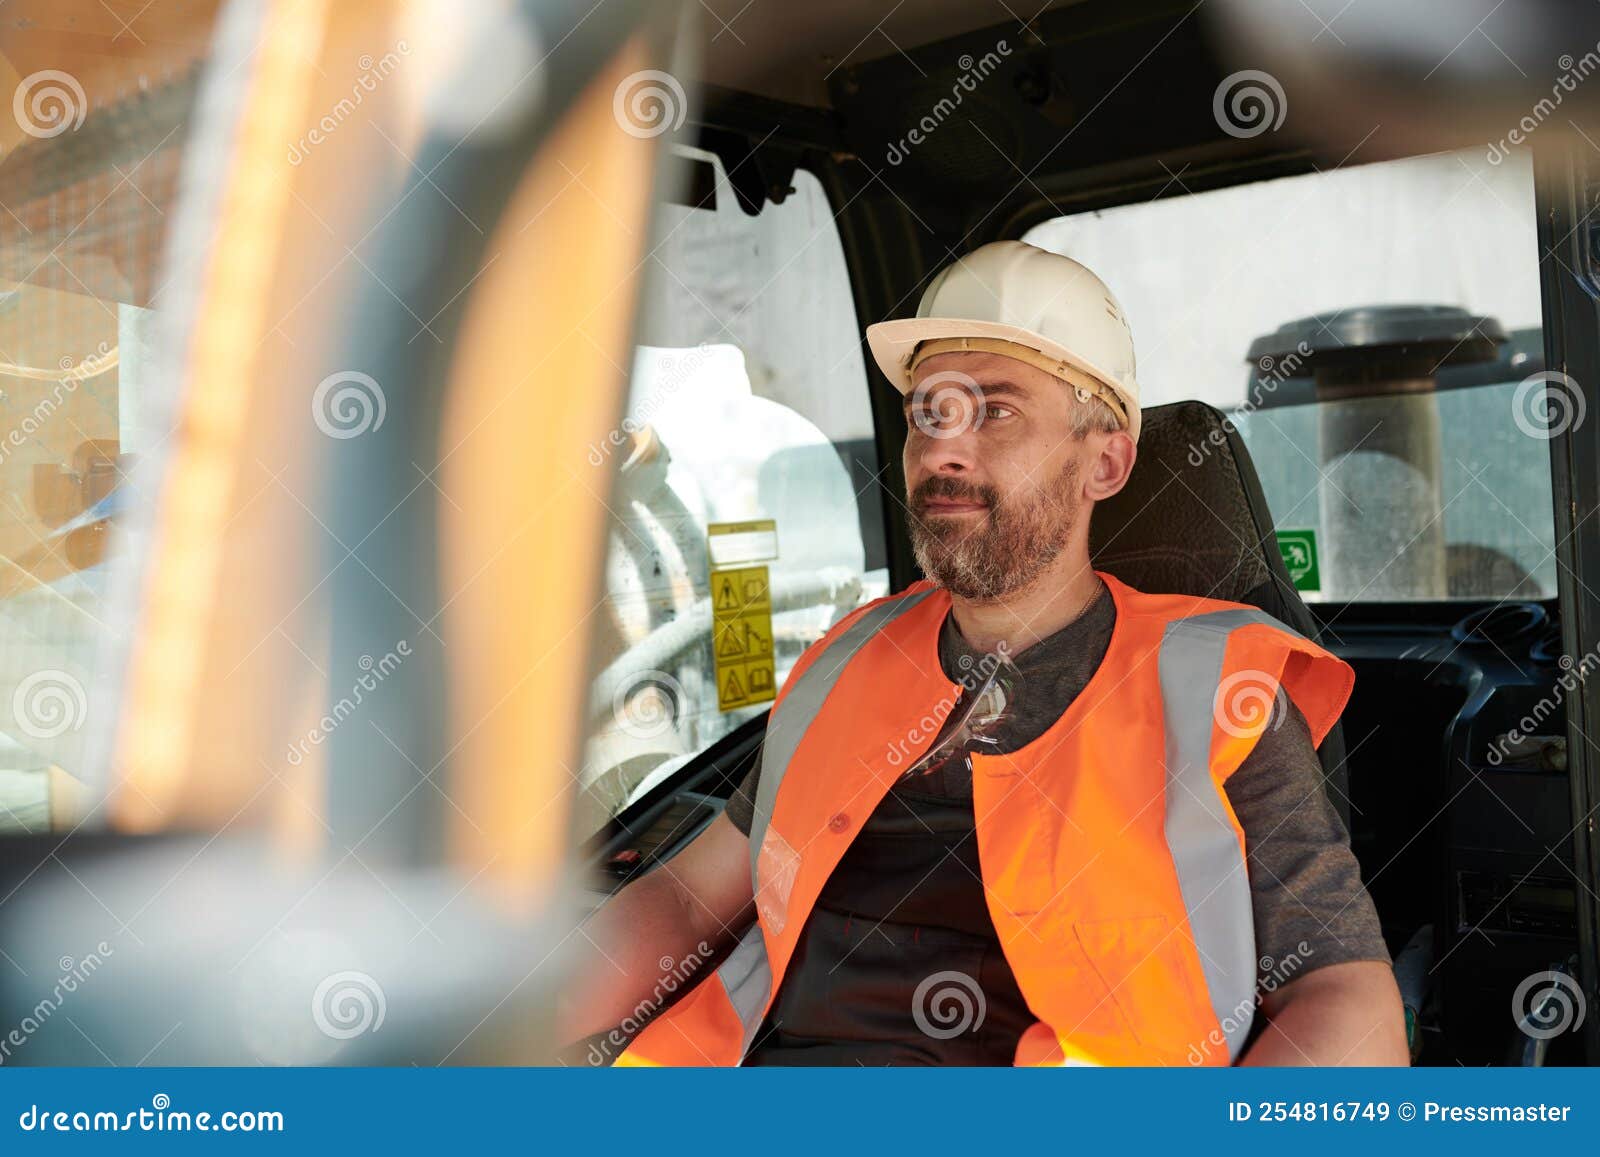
[(1193, 520)]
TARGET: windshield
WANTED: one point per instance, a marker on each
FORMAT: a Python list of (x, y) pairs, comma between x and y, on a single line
[(1373, 333)]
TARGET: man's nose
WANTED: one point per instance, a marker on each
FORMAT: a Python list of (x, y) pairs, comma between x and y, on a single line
[(943, 435), (946, 450)]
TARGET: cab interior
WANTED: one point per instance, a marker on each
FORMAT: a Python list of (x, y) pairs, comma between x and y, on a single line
[(1358, 255), (1334, 330)]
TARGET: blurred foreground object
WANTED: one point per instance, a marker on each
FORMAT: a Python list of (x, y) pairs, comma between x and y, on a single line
[(1410, 76), (326, 837)]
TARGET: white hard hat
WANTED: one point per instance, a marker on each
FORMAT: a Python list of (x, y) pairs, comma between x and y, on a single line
[(1051, 311)]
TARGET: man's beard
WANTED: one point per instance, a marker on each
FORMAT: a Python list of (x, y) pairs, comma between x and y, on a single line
[(1001, 551)]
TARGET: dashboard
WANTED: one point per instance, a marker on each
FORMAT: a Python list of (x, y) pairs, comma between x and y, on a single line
[(1461, 808)]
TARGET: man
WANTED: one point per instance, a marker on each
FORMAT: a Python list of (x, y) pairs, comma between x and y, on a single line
[(1019, 812)]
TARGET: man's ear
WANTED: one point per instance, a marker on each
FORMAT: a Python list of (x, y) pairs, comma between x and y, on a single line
[(1111, 466)]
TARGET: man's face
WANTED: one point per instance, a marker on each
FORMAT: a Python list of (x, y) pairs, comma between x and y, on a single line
[(992, 471)]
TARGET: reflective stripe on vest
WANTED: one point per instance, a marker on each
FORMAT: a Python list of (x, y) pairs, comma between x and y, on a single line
[(789, 721), (747, 974), (1201, 837)]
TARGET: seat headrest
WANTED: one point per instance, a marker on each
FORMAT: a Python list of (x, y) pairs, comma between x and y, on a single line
[(1192, 519)]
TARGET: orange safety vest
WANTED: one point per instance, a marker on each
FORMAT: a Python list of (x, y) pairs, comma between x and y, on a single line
[(1113, 865)]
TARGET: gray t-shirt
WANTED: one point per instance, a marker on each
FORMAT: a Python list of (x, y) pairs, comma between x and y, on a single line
[(1305, 884)]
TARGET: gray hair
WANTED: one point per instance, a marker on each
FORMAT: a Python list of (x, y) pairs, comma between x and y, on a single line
[(1093, 417)]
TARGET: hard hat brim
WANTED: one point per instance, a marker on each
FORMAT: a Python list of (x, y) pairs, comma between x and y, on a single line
[(893, 342)]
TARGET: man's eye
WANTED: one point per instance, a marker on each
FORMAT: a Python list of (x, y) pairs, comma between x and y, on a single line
[(932, 419)]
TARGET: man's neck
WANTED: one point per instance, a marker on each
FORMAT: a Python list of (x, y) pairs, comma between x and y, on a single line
[(1023, 617)]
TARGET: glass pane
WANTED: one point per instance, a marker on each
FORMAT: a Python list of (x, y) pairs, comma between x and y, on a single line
[(1416, 482), (1479, 528), (88, 196), (748, 444)]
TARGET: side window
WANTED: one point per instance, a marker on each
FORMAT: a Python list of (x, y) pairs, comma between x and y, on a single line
[(89, 180), (1373, 333), (746, 518)]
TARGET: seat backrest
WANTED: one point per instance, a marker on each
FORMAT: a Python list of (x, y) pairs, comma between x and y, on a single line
[(1193, 520)]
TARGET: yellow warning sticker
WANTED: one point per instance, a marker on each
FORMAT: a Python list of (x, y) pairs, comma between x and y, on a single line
[(741, 636)]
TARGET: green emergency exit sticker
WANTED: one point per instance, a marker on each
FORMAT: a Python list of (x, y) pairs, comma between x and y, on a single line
[(1299, 550)]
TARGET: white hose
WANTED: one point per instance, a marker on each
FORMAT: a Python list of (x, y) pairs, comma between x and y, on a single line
[(656, 651)]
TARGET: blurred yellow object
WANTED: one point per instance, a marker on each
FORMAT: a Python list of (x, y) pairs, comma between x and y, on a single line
[(165, 688), (213, 700), (522, 559), (70, 800)]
